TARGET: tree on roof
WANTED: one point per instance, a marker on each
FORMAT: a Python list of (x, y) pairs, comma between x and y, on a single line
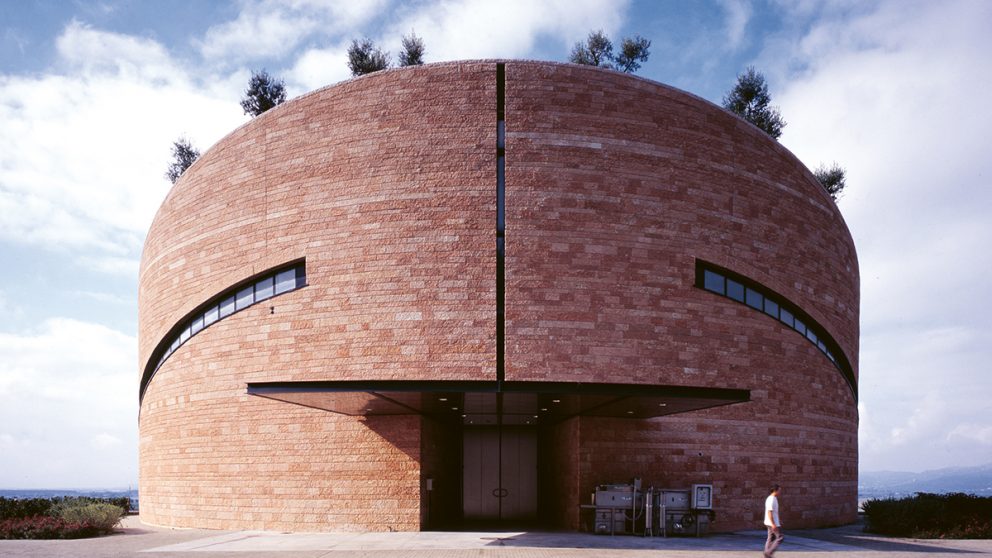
[(832, 178), (413, 50), (750, 100), (183, 155), (364, 57), (597, 50), (263, 93), (633, 51)]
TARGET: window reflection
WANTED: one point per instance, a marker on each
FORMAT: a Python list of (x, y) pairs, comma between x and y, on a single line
[(230, 302), (754, 299), (263, 289), (713, 282), (285, 281), (735, 290), (763, 300), (245, 298), (227, 307)]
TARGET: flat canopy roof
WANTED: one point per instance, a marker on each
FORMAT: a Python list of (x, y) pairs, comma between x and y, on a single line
[(508, 403)]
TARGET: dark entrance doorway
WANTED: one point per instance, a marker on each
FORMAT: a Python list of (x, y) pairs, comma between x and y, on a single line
[(490, 430), (499, 474)]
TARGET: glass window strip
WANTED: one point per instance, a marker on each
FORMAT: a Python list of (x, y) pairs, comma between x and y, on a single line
[(235, 300), (285, 281), (759, 299), (244, 298), (263, 289), (714, 282)]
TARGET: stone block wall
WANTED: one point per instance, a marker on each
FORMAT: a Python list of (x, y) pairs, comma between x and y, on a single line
[(615, 186), (385, 185)]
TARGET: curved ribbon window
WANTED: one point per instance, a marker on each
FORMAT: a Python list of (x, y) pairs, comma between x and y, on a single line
[(264, 286), (746, 291)]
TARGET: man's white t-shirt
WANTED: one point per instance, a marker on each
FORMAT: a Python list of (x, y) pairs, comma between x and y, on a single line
[(771, 505)]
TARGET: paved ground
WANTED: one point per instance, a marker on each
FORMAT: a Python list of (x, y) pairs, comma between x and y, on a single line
[(138, 540)]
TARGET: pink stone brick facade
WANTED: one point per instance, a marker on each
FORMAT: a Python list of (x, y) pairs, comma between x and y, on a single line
[(386, 186)]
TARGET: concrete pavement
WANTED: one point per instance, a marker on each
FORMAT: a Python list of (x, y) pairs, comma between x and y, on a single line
[(138, 540)]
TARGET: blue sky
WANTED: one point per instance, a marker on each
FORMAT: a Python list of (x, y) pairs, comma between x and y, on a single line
[(92, 94)]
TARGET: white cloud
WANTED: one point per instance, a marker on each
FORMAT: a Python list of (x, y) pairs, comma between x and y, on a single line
[(66, 389), (104, 297), (83, 152), (919, 388), (316, 68), (7, 307), (89, 51), (972, 433), (464, 29), (104, 441), (508, 29), (893, 92), (271, 30), (738, 13)]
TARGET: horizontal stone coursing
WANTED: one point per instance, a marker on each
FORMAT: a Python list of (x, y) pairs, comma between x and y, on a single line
[(386, 185)]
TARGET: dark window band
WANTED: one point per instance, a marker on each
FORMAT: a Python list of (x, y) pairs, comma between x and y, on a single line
[(259, 288), (744, 290)]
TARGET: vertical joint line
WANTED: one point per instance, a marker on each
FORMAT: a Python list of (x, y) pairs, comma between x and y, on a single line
[(500, 219), (500, 263)]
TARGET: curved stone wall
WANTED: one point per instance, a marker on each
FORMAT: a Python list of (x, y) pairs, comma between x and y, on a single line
[(615, 187), (385, 185)]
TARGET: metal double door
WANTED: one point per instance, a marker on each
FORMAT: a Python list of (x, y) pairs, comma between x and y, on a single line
[(499, 473)]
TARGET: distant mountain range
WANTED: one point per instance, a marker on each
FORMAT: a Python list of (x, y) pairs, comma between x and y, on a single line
[(883, 484)]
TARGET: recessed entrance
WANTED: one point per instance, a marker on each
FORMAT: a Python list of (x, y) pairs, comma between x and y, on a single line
[(490, 430), (499, 474)]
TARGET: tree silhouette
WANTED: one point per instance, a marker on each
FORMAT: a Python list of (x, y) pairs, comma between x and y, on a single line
[(263, 93), (183, 155), (596, 51), (632, 53), (749, 99), (364, 57), (832, 178), (413, 50)]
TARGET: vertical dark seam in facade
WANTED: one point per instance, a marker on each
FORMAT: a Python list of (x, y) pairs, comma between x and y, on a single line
[(500, 220), (500, 266)]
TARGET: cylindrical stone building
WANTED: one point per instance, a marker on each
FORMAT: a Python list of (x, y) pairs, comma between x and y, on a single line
[(473, 291)]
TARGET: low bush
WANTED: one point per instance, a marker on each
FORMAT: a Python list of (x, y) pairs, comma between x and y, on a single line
[(44, 527), (102, 517), (929, 516), (60, 518), (15, 508)]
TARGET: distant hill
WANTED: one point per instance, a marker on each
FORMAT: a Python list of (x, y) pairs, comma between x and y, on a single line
[(883, 484)]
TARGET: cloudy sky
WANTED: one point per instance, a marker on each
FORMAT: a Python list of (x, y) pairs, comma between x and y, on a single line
[(92, 94)]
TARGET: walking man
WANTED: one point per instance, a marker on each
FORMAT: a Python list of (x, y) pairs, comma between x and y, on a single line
[(775, 536)]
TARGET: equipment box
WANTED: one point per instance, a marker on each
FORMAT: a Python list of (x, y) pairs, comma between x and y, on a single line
[(605, 517)]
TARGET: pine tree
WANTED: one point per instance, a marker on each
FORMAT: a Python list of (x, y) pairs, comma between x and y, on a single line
[(364, 57), (749, 99), (263, 93), (413, 50), (832, 178), (183, 155)]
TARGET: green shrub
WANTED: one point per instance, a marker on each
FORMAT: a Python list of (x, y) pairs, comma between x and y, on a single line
[(44, 527), (15, 508), (958, 516), (60, 518), (101, 516)]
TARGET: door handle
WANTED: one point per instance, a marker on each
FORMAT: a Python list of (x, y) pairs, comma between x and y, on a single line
[(500, 492)]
